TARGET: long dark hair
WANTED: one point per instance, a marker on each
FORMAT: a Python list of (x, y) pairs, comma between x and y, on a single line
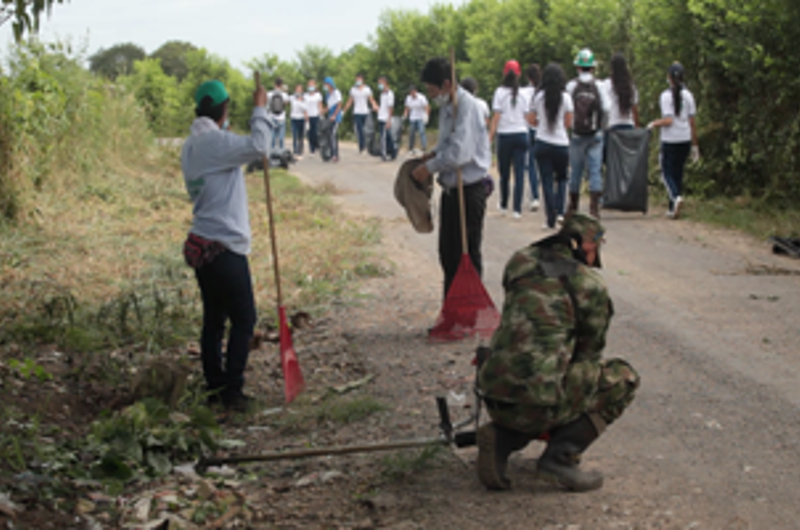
[(511, 80), (622, 83), (553, 81), (676, 75), (534, 74)]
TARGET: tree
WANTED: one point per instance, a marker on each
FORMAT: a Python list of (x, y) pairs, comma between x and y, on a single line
[(26, 14), (117, 60), (172, 55), (315, 62)]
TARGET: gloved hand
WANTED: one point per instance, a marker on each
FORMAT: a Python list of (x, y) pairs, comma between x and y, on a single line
[(651, 126), (695, 154)]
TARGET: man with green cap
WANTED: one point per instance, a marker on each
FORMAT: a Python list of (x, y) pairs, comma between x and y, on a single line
[(545, 376), (219, 240)]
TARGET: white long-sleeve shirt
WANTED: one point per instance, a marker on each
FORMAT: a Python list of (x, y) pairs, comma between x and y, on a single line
[(465, 146)]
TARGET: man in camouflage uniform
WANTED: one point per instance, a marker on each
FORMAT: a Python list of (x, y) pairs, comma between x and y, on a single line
[(545, 376)]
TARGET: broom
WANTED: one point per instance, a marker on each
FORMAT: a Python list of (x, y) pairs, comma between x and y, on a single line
[(468, 310), (292, 377)]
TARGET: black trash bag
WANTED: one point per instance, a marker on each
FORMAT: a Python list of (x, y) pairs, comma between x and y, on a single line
[(627, 170), (280, 158), (325, 139), (785, 246), (397, 132), (372, 135)]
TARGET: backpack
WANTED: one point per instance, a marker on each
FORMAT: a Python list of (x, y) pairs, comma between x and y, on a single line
[(276, 103), (588, 114)]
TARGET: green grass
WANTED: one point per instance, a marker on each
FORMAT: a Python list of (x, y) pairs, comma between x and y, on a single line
[(307, 414), (404, 464), (745, 214)]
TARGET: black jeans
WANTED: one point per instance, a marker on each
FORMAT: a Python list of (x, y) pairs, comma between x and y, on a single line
[(553, 162), (511, 151), (673, 164), (450, 230), (298, 131), (227, 293), (313, 139)]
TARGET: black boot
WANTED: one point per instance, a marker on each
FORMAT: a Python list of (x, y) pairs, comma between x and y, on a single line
[(495, 445), (560, 460), (574, 202), (594, 204)]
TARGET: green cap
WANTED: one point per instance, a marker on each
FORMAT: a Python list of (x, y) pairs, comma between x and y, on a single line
[(585, 58), (587, 226), (212, 89)]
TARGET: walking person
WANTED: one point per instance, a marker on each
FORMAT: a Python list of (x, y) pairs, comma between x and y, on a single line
[(586, 145), (471, 85), (551, 115), (534, 75), (678, 136), (417, 111), (360, 99), (509, 123), (333, 112), (299, 116), (463, 144), (278, 112), (623, 98), (219, 239), (313, 111), (385, 111)]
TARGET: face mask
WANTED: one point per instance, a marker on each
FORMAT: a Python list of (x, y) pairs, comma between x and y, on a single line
[(312, 88), (359, 82), (585, 77), (442, 99), (225, 124), (380, 86)]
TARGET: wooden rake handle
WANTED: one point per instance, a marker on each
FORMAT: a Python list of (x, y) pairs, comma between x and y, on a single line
[(461, 201)]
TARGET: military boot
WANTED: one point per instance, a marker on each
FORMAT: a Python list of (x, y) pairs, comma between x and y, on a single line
[(574, 202), (594, 204), (495, 445), (560, 460)]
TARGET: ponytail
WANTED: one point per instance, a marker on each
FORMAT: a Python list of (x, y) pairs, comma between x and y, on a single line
[(511, 80), (676, 76)]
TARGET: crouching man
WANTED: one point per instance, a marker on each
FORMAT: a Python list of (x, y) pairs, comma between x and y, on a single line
[(545, 376), (219, 240)]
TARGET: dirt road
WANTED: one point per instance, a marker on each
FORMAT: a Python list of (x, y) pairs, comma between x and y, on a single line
[(710, 320)]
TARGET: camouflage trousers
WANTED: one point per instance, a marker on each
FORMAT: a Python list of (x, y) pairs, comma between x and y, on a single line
[(604, 387)]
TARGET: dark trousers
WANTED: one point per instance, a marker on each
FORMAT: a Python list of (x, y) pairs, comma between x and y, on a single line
[(673, 163), (553, 161), (511, 150), (388, 149), (298, 130), (533, 173), (313, 139), (360, 120), (450, 230), (227, 293)]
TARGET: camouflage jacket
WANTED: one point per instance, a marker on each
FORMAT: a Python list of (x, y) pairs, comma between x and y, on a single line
[(545, 331)]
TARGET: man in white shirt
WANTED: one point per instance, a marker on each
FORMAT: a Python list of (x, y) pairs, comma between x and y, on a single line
[(385, 111), (360, 99), (280, 117), (417, 111), (313, 110)]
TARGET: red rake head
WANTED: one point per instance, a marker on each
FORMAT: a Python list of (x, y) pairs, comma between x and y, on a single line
[(292, 377), (468, 309)]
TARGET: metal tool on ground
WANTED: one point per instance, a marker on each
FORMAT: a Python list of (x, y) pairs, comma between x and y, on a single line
[(468, 310), (292, 376)]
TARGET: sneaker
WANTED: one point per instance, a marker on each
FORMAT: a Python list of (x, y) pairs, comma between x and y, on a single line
[(546, 226), (677, 209), (535, 205), (517, 216), (559, 220), (237, 402)]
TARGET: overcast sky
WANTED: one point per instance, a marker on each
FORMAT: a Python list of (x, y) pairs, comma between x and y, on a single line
[(237, 30)]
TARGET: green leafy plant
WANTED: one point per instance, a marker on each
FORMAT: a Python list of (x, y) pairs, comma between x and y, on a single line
[(28, 368)]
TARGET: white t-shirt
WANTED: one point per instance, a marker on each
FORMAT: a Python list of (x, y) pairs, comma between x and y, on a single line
[(416, 107), (298, 111), (484, 108), (557, 134), (360, 97), (615, 116), (512, 116), (282, 94), (334, 98), (387, 105), (680, 131), (529, 93), (313, 99)]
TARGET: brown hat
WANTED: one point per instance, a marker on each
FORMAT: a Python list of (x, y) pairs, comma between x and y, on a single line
[(414, 196)]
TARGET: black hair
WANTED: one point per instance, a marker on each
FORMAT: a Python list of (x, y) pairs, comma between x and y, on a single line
[(511, 80), (534, 74), (207, 109), (412, 88), (676, 75), (470, 85), (622, 83), (359, 74), (553, 83), (436, 71), (384, 78), (278, 81)]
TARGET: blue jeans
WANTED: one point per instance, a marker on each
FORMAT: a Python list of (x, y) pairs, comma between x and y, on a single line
[(511, 150), (280, 134), (298, 130), (313, 139), (360, 119), (227, 294), (673, 163), (414, 126), (586, 152), (553, 161), (533, 173), (388, 149)]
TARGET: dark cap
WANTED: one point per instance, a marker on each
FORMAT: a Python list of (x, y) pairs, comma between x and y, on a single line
[(676, 70)]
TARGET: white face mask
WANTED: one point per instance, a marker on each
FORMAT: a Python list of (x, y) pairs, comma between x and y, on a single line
[(585, 77), (442, 99), (225, 124)]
